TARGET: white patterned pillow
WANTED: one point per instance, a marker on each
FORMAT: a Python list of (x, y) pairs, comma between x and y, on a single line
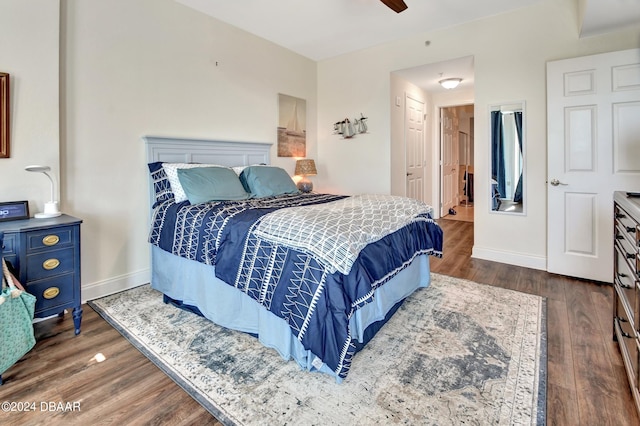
[(171, 170)]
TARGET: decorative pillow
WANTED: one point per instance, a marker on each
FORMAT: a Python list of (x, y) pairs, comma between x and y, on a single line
[(202, 184), (161, 186), (171, 170), (239, 169), (267, 181)]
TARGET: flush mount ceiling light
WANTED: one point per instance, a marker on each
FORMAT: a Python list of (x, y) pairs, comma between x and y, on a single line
[(450, 83)]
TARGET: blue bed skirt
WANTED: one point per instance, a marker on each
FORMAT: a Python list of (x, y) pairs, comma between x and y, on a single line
[(194, 284)]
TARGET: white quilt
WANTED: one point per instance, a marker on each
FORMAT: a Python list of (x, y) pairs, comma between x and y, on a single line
[(336, 232)]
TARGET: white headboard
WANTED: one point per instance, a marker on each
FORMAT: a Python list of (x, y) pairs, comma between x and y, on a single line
[(181, 150)]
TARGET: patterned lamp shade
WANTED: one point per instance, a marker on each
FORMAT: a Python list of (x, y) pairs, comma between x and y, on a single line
[(305, 168)]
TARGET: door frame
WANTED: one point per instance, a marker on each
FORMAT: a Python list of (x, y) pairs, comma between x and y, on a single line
[(436, 175)]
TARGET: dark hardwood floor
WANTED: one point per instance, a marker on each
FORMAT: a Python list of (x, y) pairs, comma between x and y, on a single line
[(586, 380)]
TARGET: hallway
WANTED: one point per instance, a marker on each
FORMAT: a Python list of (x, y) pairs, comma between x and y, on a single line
[(463, 213)]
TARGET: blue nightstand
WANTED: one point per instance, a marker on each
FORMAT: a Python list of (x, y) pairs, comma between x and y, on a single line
[(45, 254)]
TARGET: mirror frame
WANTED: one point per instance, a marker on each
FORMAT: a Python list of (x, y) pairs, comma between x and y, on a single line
[(500, 106), (4, 116)]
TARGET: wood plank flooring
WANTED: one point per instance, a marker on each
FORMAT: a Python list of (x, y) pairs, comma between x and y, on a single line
[(586, 379)]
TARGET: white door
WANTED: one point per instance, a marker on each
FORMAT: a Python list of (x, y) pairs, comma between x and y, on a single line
[(415, 154), (593, 148), (449, 150)]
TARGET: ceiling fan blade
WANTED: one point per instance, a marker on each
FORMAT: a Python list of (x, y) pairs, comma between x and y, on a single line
[(395, 5)]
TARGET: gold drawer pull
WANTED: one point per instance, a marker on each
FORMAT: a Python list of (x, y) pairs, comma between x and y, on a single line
[(50, 240), (50, 264), (51, 292)]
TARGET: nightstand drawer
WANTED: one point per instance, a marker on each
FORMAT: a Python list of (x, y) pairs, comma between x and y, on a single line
[(9, 250), (49, 263), (54, 238), (52, 292), (9, 245)]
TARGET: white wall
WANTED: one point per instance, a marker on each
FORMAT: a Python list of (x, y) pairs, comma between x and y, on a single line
[(510, 54), (29, 53), (156, 67)]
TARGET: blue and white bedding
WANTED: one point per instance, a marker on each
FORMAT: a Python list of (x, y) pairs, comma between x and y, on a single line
[(190, 284), (315, 281), (335, 233)]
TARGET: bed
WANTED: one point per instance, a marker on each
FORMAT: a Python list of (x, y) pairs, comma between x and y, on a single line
[(313, 276)]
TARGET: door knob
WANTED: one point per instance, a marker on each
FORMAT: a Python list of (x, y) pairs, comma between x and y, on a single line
[(556, 182)]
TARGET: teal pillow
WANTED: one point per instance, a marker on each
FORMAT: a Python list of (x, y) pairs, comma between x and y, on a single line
[(202, 184), (267, 181)]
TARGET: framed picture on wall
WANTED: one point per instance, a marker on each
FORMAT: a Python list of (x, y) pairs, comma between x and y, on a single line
[(4, 115), (292, 126)]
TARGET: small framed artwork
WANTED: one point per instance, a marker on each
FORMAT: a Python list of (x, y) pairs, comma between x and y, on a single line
[(292, 126), (4, 115), (14, 210)]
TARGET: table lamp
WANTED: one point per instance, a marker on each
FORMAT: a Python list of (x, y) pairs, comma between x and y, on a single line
[(305, 168), (51, 207)]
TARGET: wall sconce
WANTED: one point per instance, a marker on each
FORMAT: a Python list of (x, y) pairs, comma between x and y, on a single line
[(450, 83), (50, 208), (305, 168)]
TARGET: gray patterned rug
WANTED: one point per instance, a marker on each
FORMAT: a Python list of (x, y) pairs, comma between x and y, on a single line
[(455, 353)]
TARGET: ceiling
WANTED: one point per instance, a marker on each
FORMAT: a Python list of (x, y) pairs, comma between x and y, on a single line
[(602, 16), (427, 76), (322, 29), (326, 28)]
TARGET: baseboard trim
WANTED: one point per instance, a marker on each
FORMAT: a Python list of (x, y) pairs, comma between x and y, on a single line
[(511, 258), (100, 289)]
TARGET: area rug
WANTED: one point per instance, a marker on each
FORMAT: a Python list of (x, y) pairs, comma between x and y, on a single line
[(457, 352)]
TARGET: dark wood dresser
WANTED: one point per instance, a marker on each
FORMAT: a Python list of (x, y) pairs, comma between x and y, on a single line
[(626, 282)]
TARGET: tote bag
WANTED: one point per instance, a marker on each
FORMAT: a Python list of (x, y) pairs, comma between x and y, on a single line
[(16, 320)]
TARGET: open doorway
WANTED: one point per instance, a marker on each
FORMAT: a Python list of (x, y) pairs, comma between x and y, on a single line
[(424, 82), (456, 158)]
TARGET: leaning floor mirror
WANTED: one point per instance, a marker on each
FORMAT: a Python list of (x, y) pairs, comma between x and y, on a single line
[(507, 158)]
